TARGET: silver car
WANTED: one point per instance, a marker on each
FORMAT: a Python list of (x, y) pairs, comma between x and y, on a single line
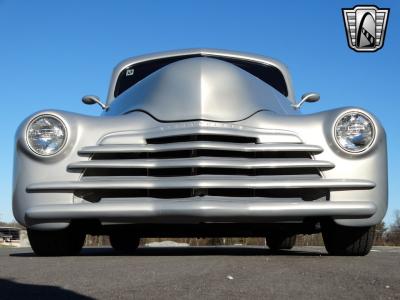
[(199, 143)]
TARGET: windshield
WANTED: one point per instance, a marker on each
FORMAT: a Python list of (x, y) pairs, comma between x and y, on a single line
[(134, 73)]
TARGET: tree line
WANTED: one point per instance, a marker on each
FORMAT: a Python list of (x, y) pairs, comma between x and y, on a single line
[(384, 236)]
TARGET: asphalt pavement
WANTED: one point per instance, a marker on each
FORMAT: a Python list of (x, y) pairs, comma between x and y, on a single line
[(200, 273)]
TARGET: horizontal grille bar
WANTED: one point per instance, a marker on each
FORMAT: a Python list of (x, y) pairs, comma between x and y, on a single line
[(200, 181), (210, 162), (198, 209), (227, 132), (198, 145)]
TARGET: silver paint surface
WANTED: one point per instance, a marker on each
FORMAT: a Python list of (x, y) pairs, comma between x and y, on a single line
[(199, 209), (240, 105), (200, 89)]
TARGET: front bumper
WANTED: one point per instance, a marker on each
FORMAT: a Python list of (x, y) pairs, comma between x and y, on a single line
[(198, 209)]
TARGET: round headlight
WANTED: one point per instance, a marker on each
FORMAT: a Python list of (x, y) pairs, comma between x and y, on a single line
[(354, 132), (46, 135)]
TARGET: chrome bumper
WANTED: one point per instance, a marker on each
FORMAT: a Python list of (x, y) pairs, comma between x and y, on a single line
[(200, 181), (198, 209)]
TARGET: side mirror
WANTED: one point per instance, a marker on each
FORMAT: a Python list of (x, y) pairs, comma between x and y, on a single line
[(90, 100), (307, 97)]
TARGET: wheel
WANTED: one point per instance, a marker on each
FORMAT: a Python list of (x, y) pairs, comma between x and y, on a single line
[(64, 242), (347, 241), (124, 242), (278, 241)]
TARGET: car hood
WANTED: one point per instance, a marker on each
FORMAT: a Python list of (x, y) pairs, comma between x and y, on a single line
[(200, 88)]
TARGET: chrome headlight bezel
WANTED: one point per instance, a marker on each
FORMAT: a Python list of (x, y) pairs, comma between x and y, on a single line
[(367, 147), (60, 148)]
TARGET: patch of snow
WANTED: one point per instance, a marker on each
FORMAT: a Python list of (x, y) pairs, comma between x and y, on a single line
[(23, 242), (167, 244)]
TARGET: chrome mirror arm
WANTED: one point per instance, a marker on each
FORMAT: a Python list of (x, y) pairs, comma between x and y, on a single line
[(308, 97), (298, 105)]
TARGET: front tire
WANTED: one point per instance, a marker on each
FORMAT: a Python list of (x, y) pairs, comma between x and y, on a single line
[(64, 242), (347, 241), (124, 243), (279, 241)]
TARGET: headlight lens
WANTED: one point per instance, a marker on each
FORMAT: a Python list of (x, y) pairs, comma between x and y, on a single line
[(46, 135), (354, 132)]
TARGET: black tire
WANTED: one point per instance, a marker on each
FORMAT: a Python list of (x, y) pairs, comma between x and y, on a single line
[(64, 242), (124, 243), (279, 241), (347, 241)]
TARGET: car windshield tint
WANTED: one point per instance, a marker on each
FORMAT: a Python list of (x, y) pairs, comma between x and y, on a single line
[(133, 74)]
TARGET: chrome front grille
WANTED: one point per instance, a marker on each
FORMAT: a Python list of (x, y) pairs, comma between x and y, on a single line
[(203, 157), (202, 164)]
